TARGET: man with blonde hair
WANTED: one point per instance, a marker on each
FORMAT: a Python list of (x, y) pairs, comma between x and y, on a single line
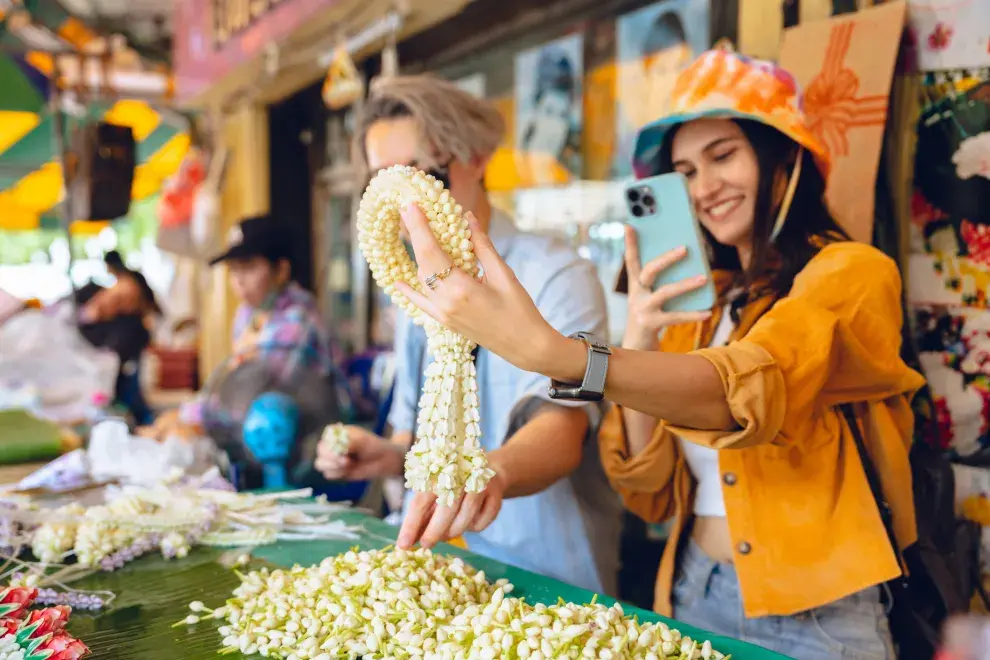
[(549, 508)]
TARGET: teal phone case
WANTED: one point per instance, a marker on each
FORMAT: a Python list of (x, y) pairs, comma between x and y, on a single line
[(660, 210)]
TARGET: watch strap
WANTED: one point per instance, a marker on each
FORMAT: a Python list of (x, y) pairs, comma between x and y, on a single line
[(592, 388)]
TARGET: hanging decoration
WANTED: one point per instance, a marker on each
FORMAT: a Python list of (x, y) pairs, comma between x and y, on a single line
[(175, 206), (343, 85)]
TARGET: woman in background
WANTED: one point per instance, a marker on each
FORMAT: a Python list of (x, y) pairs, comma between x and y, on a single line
[(121, 318)]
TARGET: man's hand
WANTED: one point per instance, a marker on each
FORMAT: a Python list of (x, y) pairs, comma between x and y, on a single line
[(169, 425), (428, 522), (368, 457)]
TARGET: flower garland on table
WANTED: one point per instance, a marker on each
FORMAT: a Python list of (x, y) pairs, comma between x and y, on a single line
[(170, 519), (395, 603), (447, 458), (37, 634)]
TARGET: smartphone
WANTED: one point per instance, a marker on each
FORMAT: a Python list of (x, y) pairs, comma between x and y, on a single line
[(660, 210)]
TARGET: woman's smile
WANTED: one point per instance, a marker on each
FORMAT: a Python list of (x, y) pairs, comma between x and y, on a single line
[(721, 210)]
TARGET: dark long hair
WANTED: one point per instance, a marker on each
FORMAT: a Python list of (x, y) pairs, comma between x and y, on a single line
[(809, 224)]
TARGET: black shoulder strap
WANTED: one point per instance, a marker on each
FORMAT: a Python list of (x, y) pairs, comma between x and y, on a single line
[(876, 486)]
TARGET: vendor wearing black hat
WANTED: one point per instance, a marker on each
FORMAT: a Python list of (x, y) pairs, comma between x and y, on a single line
[(277, 322)]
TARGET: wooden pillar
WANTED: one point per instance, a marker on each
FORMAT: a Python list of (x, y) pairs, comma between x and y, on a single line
[(245, 193)]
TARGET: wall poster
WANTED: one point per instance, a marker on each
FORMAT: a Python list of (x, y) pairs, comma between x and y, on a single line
[(653, 45), (950, 34), (549, 104)]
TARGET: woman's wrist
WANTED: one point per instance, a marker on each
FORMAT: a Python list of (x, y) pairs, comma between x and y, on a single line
[(561, 358), (646, 340)]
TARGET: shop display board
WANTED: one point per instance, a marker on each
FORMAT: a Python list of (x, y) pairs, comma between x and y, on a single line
[(152, 594), (652, 46), (949, 265), (845, 66)]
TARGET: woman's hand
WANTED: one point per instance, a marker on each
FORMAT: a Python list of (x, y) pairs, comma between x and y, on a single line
[(646, 316), (495, 311)]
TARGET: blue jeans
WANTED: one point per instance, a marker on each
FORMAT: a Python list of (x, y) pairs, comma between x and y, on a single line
[(706, 595)]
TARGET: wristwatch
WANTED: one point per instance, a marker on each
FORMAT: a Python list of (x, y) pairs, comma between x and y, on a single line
[(593, 386)]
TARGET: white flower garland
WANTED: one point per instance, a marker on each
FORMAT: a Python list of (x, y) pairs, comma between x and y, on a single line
[(140, 520), (335, 438), (447, 458)]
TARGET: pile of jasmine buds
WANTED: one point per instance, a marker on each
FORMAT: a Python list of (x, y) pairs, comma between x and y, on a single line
[(447, 458), (371, 604), (512, 628), (416, 604)]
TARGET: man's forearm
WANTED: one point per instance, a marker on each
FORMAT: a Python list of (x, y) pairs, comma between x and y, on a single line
[(546, 449)]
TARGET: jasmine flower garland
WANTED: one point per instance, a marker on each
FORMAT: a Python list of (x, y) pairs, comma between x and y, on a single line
[(447, 458)]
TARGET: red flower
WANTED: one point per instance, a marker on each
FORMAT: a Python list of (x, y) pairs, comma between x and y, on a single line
[(63, 647), (941, 37), (51, 620), (9, 626), (14, 601)]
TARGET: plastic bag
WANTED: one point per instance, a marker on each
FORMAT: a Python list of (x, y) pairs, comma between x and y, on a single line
[(46, 354)]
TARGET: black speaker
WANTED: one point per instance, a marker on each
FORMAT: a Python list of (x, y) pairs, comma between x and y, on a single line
[(101, 171)]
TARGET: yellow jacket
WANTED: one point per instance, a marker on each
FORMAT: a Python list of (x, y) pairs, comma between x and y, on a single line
[(803, 523)]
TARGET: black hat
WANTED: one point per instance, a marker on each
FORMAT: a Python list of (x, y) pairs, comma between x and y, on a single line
[(260, 236)]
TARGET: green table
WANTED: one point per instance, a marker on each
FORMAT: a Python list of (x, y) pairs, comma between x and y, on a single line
[(153, 593)]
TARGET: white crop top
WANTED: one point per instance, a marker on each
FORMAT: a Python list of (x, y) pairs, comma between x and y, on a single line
[(702, 461)]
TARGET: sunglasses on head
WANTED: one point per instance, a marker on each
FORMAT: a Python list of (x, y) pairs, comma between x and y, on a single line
[(441, 172)]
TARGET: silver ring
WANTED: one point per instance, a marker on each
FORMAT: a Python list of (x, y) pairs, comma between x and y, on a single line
[(432, 280)]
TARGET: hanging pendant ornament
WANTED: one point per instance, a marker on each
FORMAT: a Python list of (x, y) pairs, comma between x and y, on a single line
[(447, 458), (343, 85)]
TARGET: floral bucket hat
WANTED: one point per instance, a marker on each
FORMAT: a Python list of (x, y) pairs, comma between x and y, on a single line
[(723, 84)]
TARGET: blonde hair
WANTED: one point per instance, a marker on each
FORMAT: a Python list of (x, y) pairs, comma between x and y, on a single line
[(451, 122)]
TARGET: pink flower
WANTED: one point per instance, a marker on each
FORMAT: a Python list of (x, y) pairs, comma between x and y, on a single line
[(63, 647), (50, 621), (14, 601)]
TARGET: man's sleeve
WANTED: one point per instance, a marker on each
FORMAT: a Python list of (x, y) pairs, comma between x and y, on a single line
[(572, 300)]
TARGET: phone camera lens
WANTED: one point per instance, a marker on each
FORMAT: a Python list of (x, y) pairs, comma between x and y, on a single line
[(632, 195), (637, 210), (649, 202)]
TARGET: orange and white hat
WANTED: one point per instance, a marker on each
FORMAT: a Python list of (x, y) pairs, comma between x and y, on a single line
[(723, 84)]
